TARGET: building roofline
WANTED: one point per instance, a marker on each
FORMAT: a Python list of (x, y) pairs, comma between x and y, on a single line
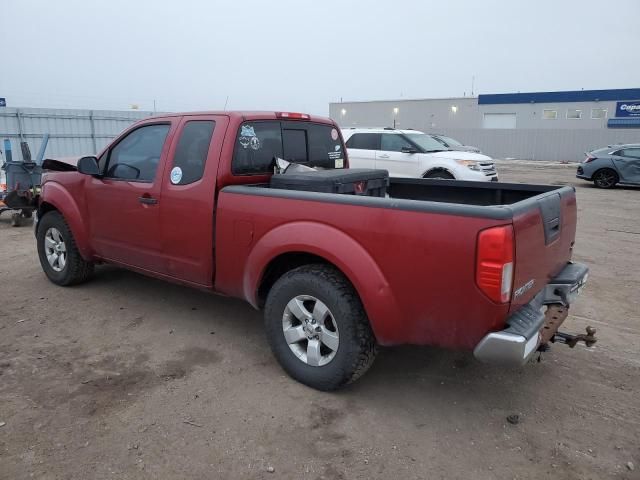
[(560, 96), (403, 100)]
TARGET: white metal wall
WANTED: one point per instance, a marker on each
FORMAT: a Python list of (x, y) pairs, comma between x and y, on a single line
[(534, 144), (71, 132)]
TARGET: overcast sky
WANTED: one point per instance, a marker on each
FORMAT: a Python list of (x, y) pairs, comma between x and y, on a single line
[(301, 55)]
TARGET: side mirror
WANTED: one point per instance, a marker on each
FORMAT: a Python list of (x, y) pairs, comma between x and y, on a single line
[(88, 166), (409, 150)]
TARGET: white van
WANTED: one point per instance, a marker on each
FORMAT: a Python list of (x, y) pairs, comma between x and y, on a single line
[(414, 154)]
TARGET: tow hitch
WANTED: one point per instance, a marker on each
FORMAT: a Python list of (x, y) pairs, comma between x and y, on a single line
[(588, 338), (554, 316)]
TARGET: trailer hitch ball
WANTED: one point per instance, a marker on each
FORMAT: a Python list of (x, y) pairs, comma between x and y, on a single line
[(588, 338)]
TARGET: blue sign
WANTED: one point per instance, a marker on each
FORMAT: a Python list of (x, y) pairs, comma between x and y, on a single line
[(3, 102), (628, 109)]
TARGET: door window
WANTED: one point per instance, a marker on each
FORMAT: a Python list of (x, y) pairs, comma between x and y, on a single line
[(191, 152), (136, 156), (394, 143), (630, 152), (364, 141)]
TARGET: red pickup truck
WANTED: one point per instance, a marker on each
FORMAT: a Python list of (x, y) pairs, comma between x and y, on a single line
[(188, 198)]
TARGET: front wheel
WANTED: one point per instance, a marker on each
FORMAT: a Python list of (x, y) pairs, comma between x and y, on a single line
[(58, 253), (317, 328)]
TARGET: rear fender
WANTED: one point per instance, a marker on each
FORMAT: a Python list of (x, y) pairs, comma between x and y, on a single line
[(59, 198), (339, 249)]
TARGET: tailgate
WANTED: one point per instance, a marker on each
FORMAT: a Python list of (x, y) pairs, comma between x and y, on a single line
[(544, 229)]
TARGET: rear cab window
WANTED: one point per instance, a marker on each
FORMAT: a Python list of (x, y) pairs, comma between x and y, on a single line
[(258, 143)]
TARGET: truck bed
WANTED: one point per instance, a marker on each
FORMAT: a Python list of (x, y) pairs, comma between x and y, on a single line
[(466, 193), (420, 243), (479, 199)]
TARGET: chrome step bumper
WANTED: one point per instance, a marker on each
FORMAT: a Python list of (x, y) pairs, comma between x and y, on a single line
[(518, 342)]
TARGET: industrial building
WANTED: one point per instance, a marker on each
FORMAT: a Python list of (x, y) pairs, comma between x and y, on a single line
[(538, 126)]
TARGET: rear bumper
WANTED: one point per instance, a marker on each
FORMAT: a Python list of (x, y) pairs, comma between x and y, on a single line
[(580, 174), (518, 342)]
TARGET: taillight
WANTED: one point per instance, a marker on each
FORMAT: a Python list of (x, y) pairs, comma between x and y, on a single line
[(589, 159), (494, 263)]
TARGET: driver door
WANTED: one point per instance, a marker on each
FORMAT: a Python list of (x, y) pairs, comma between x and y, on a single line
[(124, 203)]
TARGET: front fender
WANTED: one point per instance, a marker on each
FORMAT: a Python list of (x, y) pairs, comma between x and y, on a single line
[(59, 197), (338, 248)]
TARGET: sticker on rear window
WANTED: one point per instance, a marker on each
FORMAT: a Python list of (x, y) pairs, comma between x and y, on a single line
[(248, 137), (247, 131), (339, 163), (334, 134)]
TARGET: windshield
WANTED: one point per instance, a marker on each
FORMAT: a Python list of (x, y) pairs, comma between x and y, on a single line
[(425, 142), (450, 141)]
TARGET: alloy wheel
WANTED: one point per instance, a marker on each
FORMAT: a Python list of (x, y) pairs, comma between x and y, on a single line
[(55, 249), (310, 330)]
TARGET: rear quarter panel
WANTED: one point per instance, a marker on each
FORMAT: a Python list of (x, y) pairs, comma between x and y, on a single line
[(414, 271)]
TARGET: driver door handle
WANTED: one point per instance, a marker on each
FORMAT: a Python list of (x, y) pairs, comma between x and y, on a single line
[(384, 155), (147, 200)]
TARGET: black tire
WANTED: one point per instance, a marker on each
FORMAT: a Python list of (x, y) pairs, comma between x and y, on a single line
[(440, 174), (357, 344), (605, 178), (75, 270)]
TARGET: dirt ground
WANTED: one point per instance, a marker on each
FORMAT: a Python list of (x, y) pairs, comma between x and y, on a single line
[(128, 377)]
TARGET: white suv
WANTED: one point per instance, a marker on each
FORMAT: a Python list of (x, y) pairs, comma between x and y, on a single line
[(410, 153)]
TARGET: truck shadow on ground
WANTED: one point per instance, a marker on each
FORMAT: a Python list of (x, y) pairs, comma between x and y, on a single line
[(455, 373)]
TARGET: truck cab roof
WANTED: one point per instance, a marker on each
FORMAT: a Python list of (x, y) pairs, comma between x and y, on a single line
[(244, 115)]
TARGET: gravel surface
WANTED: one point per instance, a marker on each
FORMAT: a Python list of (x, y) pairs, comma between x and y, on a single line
[(129, 377)]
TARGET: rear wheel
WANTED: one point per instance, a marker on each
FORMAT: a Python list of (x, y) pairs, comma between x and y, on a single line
[(441, 174), (58, 253), (605, 178), (317, 328)]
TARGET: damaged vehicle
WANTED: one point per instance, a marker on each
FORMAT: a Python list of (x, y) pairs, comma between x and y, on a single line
[(261, 206)]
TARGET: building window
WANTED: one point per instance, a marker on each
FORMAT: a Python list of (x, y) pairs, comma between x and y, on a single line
[(549, 114), (574, 114), (598, 113)]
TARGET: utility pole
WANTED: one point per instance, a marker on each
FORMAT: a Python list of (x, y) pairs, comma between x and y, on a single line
[(473, 81)]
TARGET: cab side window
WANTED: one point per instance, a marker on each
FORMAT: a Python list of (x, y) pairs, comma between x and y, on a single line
[(394, 143), (191, 152), (136, 156)]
